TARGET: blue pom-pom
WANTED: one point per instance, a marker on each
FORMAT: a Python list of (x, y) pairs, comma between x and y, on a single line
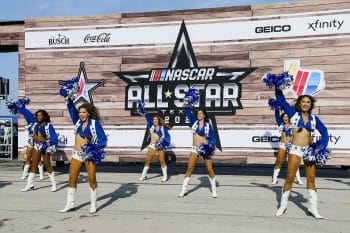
[(162, 145), (141, 108), (69, 90), (315, 155), (274, 104), (322, 156), (94, 153), (191, 97), (282, 81), (14, 106), (206, 150)]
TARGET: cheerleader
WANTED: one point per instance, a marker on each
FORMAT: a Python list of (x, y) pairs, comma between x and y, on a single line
[(44, 141), (19, 106), (285, 130), (160, 141), (304, 125), (90, 139), (203, 145)]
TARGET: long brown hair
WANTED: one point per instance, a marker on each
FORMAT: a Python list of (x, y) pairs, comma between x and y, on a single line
[(91, 109), (46, 116), (161, 122), (298, 102)]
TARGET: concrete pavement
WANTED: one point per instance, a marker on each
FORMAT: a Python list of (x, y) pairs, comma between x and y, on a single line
[(246, 203)]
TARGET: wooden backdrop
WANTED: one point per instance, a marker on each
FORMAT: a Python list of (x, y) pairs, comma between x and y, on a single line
[(40, 72)]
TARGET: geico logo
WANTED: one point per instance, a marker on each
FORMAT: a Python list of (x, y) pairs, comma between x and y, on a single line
[(276, 28), (265, 139)]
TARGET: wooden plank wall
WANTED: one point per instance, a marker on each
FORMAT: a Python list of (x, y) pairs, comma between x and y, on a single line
[(43, 70)]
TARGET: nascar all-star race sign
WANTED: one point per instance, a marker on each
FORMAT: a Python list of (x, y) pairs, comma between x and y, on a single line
[(163, 89)]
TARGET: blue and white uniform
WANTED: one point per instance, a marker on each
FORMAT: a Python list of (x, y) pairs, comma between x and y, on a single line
[(206, 131), (46, 129), (163, 134), (93, 131), (282, 129), (296, 121)]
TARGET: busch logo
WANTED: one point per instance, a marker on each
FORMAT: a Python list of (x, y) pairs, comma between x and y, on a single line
[(101, 38), (59, 40), (163, 89)]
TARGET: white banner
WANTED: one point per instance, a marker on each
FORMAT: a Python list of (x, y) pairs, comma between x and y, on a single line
[(231, 138), (252, 29)]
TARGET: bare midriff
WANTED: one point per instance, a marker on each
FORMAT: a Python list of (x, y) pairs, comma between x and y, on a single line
[(197, 140), (79, 142), (301, 138)]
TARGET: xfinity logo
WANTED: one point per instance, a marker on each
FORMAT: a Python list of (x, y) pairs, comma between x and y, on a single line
[(58, 40), (337, 24), (273, 28), (101, 38)]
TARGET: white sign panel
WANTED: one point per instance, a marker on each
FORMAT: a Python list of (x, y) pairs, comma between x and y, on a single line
[(253, 29), (232, 138)]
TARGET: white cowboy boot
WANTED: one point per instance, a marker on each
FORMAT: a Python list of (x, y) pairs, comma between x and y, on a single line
[(165, 174), (25, 171), (70, 201), (313, 204), (144, 173), (213, 187), (30, 182), (298, 178), (284, 202), (53, 181), (275, 176), (184, 186), (41, 171), (93, 197)]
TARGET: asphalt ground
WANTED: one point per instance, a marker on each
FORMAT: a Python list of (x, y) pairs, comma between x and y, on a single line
[(246, 201)]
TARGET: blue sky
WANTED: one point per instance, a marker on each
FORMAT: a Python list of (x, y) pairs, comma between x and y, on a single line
[(24, 9)]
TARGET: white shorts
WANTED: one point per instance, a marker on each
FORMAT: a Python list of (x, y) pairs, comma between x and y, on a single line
[(78, 155), (152, 146), (298, 150), (36, 146), (194, 150), (282, 145)]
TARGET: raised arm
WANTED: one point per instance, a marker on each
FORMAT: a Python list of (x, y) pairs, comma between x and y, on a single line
[(148, 119), (323, 142), (278, 118), (101, 136), (189, 114), (28, 115), (284, 104), (73, 112)]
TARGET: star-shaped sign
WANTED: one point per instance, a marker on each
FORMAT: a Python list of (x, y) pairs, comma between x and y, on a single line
[(86, 87), (220, 90)]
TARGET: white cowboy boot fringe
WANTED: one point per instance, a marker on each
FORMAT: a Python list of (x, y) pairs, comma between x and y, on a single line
[(284, 202), (144, 173), (41, 171), (298, 178), (213, 187), (30, 182), (70, 201), (93, 198), (184, 186), (313, 204), (165, 174), (276, 172), (25, 171), (53, 181)]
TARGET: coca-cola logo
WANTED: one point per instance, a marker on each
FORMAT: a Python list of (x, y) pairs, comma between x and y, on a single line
[(101, 38), (59, 40)]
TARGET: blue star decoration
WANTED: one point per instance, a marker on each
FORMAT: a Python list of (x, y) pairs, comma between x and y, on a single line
[(86, 87)]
